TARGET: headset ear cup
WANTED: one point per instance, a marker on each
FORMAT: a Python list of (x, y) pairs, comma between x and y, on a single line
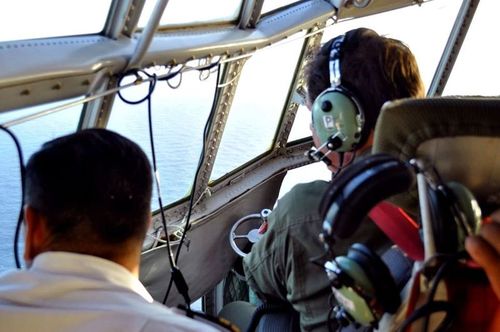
[(443, 225), (386, 292), (336, 112), (354, 291), (467, 211), (455, 214)]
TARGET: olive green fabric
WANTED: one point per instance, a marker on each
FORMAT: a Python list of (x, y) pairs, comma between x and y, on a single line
[(279, 267), (428, 127)]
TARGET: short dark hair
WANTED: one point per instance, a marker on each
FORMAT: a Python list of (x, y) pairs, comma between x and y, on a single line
[(374, 68), (93, 187)]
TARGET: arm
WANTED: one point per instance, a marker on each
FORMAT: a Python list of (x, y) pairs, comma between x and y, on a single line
[(263, 267), (485, 250)]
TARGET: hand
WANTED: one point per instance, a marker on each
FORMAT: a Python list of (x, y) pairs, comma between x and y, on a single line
[(485, 250)]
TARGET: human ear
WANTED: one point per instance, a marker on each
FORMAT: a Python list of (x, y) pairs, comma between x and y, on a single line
[(36, 233)]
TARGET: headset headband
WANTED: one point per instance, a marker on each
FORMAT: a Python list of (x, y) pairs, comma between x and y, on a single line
[(337, 117), (334, 61)]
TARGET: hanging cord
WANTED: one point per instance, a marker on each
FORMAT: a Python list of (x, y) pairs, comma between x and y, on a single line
[(176, 274), (331, 322), (200, 163), (23, 180), (172, 86), (449, 262), (342, 164), (432, 306), (152, 84), (206, 132)]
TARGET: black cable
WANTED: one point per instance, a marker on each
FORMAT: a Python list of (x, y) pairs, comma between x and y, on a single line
[(428, 309), (135, 72), (165, 297), (342, 166), (172, 75), (435, 282), (431, 306), (339, 167), (152, 85), (331, 311), (23, 180), (200, 163), (176, 275), (206, 131), (155, 169)]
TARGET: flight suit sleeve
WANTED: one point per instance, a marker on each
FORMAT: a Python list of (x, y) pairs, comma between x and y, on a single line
[(263, 266)]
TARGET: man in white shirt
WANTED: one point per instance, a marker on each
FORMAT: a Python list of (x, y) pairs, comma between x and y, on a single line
[(87, 211)]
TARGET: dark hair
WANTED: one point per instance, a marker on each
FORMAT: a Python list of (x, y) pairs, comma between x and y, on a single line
[(374, 68), (94, 188)]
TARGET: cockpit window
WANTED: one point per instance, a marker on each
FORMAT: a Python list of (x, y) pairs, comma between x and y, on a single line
[(177, 127), (301, 124), (427, 42), (193, 12), (27, 19), (270, 5), (476, 69), (257, 106), (31, 135)]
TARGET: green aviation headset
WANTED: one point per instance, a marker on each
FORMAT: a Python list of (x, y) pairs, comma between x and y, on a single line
[(364, 286), (337, 116)]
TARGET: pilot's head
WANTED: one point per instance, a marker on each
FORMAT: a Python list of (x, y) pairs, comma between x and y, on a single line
[(372, 69), (89, 193)]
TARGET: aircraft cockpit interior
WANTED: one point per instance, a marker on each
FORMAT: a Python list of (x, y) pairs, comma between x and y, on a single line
[(220, 96)]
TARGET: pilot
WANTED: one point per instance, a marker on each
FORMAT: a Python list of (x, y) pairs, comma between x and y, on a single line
[(375, 69), (88, 201)]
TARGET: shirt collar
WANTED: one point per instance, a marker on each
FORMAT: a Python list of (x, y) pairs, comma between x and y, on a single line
[(91, 267)]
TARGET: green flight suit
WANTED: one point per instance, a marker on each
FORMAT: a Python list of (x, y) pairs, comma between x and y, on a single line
[(279, 267)]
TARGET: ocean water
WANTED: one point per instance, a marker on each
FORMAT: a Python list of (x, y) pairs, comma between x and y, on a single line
[(30, 135)]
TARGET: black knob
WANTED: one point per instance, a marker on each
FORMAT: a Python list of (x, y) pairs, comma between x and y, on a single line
[(326, 106)]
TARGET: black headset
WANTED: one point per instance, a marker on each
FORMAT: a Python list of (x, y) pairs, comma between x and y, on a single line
[(455, 214), (361, 282), (337, 116)]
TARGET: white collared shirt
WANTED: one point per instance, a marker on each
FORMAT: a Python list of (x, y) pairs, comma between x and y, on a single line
[(72, 292)]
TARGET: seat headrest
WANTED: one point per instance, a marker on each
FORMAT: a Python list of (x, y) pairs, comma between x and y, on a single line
[(460, 136)]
